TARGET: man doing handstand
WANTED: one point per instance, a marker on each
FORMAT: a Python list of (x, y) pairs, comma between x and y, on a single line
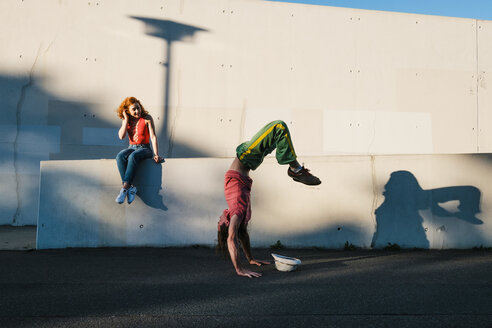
[(237, 188)]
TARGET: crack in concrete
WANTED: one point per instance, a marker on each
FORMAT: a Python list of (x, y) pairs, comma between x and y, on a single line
[(18, 118)]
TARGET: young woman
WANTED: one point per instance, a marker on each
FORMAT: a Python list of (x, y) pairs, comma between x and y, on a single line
[(139, 126), (233, 223)]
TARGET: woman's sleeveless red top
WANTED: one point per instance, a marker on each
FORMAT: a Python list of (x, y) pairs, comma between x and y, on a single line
[(138, 132)]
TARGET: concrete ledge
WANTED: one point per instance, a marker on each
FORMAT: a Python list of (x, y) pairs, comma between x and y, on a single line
[(17, 238), (425, 201)]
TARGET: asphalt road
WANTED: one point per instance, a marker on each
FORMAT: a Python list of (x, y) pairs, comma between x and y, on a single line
[(193, 287)]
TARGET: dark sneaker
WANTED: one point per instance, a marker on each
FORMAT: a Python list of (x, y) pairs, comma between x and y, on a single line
[(303, 176)]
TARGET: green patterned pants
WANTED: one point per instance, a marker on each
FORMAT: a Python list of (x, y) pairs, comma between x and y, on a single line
[(273, 135)]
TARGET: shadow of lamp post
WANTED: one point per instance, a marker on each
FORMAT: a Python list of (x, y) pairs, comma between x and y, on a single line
[(171, 32)]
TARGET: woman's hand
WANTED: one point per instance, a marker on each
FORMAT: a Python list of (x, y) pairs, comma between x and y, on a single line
[(259, 262), (158, 159), (124, 123)]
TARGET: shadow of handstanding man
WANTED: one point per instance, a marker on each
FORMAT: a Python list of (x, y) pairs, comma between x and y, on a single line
[(398, 219)]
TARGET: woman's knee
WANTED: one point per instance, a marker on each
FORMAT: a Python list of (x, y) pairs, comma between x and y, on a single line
[(133, 157), (120, 157), (141, 154), (123, 154)]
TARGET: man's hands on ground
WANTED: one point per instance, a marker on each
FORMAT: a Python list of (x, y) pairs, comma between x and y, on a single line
[(249, 274), (259, 262)]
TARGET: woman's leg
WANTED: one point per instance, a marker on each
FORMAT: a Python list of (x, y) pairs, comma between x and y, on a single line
[(133, 160), (122, 162)]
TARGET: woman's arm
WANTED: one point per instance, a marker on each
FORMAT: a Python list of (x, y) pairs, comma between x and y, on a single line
[(233, 251), (153, 139), (124, 123)]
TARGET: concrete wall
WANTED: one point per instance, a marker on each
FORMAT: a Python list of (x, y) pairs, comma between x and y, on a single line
[(212, 72), (425, 201)]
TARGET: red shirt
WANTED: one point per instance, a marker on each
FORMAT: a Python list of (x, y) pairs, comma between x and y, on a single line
[(237, 190), (138, 132)]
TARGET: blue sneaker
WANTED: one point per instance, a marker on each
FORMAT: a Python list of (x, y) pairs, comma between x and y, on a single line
[(131, 194), (121, 197)]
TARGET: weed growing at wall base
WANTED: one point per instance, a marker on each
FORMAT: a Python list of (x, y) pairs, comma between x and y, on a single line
[(482, 248), (349, 246), (277, 245), (392, 247)]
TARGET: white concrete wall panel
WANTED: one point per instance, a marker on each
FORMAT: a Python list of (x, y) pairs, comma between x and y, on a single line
[(212, 72), (484, 46), (424, 201)]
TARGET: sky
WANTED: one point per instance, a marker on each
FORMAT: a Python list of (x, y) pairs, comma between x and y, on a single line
[(478, 9)]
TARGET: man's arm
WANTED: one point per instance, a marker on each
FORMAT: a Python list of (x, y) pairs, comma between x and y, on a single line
[(245, 243), (233, 251)]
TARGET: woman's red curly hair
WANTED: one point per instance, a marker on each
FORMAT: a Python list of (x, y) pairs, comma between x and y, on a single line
[(127, 103)]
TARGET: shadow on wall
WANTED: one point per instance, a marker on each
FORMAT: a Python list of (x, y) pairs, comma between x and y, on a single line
[(334, 236), (28, 137), (38, 125), (398, 218), (155, 218), (170, 32), (79, 131), (83, 134), (150, 193)]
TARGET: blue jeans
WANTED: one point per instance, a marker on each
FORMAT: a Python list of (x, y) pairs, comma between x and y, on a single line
[(129, 158)]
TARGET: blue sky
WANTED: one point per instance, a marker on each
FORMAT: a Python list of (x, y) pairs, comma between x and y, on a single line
[(479, 9)]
